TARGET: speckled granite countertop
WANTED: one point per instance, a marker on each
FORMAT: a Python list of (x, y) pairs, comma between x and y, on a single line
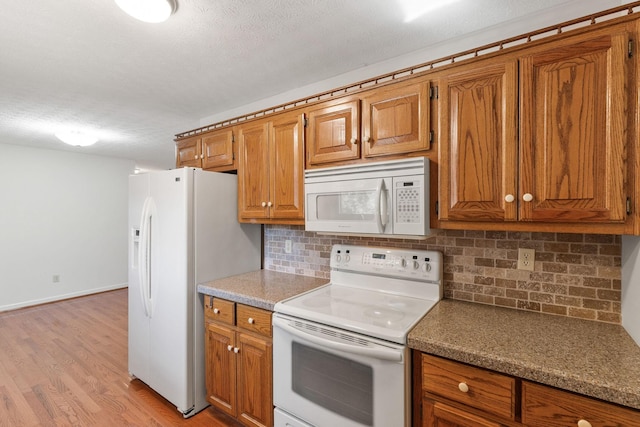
[(262, 288), (592, 358)]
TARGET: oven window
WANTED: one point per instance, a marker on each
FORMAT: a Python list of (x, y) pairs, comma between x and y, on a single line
[(339, 385)]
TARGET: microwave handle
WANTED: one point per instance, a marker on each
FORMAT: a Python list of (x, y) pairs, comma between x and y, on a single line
[(382, 214)]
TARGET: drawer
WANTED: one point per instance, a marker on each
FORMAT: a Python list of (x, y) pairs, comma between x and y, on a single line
[(220, 310), (486, 391), (254, 319), (550, 407)]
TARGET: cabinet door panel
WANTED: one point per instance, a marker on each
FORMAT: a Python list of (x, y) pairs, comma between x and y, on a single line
[(395, 121), (255, 383), (333, 133), (478, 150), (220, 368), (436, 414), (217, 149), (287, 167), (188, 153), (253, 176), (572, 135)]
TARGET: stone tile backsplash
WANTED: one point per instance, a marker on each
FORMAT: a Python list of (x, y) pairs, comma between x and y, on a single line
[(575, 275)]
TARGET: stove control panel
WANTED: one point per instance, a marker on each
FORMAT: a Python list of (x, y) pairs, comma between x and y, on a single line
[(394, 262)]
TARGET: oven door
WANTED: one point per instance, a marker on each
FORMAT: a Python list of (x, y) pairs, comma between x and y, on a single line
[(329, 377)]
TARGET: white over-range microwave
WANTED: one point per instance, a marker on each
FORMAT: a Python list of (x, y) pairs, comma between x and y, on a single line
[(386, 199)]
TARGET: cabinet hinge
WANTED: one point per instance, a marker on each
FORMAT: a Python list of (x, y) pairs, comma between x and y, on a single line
[(431, 136), (630, 48), (628, 205), (437, 204), (306, 122), (433, 92)]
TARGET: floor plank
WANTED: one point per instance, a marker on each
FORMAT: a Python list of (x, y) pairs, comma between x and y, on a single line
[(65, 364)]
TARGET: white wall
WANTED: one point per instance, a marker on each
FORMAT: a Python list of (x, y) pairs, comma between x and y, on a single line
[(62, 213)]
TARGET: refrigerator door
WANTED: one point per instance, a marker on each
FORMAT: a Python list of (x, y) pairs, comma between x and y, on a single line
[(170, 310), (138, 319)]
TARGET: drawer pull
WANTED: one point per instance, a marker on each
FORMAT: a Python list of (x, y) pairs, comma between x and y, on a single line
[(463, 387), (251, 320), (229, 347), (584, 423), (216, 310)]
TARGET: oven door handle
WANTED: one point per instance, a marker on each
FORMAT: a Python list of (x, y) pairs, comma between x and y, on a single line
[(379, 353)]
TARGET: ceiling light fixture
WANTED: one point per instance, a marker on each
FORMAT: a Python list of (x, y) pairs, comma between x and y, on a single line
[(76, 138), (153, 11)]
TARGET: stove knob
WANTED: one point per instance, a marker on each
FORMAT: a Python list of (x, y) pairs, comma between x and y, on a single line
[(416, 265), (403, 263), (427, 267), (347, 258), (338, 257)]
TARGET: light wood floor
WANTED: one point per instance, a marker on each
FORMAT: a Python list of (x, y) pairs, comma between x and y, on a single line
[(65, 364)]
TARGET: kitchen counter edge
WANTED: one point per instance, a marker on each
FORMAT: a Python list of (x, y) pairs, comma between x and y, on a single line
[(591, 358), (261, 288)]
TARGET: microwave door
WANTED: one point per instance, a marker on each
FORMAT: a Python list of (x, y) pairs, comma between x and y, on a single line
[(358, 206)]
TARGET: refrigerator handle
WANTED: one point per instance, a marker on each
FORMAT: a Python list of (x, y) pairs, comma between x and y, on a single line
[(144, 261)]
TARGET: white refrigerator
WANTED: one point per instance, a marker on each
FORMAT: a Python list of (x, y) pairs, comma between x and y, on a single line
[(183, 230)]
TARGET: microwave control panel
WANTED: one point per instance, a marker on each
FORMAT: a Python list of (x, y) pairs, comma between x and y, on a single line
[(410, 215)]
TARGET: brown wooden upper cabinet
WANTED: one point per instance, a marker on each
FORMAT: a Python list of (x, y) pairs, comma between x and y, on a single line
[(537, 137), (211, 151), (271, 171), (394, 121)]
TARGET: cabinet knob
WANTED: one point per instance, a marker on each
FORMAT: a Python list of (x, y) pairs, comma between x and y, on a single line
[(216, 311), (196, 157), (251, 320), (584, 423), (269, 204), (229, 347), (202, 156), (353, 140), (527, 197), (264, 204), (463, 387), (366, 139), (236, 350), (509, 198)]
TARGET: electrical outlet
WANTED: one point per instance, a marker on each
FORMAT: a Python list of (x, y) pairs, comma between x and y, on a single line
[(56, 278), (526, 258), (287, 246)]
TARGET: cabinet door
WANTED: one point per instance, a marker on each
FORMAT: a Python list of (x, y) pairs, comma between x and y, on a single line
[(286, 167), (253, 174), (217, 150), (478, 142), (255, 383), (220, 368), (572, 130), (395, 121), (436, 414), (188, 153), (333, 133)]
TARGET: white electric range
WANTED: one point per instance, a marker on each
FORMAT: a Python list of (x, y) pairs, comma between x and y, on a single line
[(339, 351)]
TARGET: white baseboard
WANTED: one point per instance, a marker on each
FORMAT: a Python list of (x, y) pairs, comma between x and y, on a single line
[(61, 297)]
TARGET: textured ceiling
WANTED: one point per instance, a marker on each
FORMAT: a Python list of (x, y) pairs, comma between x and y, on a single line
[(84, 63)]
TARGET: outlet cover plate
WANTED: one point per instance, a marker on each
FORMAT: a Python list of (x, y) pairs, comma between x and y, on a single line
[(526, 258)]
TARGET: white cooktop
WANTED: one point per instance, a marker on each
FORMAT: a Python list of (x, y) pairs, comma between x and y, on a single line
[(377, 292)]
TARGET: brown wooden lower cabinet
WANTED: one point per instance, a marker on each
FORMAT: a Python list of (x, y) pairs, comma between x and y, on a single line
[(454, 394), (238, 359)]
